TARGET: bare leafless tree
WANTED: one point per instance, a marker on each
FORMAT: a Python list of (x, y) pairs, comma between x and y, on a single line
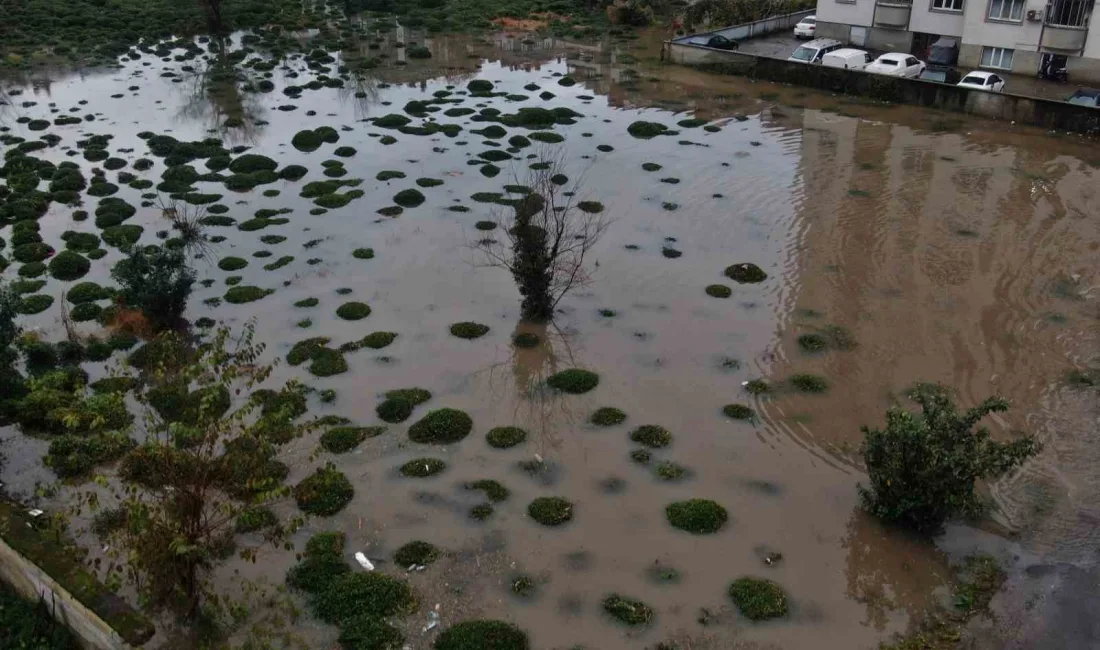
[(547, 235), (187, 221)]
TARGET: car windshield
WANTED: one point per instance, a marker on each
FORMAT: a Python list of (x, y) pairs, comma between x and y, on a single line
[(804, 54), (888, 62), (808, 21), (977, 81), (1082, 100)]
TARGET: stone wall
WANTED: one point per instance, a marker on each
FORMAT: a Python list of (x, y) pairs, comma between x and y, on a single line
[(999, 106)]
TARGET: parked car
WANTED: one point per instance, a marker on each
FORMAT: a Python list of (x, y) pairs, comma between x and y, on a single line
[(815, 50), (846, 58), (896, 64), (941, 74), (980, 80), (945, 51), (720, 42), (1085, 97), (806, 27)]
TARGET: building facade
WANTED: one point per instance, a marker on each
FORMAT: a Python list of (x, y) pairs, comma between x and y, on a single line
[(1018, 36)]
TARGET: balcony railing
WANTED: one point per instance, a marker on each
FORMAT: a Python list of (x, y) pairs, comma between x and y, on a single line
[(1069, 13)]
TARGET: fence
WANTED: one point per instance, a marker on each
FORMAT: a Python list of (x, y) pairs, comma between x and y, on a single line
[(749, 30)]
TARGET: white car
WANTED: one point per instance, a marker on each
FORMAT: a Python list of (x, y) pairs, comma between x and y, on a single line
[(987, 81), (805, 27), (896, 64)]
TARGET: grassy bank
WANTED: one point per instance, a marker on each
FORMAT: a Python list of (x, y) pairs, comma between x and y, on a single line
[(28, 626)]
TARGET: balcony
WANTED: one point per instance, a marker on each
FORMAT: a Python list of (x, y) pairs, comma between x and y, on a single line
[(1066, 25), (892, 14)]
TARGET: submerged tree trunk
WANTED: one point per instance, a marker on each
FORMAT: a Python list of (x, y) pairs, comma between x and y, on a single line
[(213, 15)]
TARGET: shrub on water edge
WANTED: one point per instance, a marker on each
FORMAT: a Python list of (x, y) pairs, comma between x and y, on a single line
[(505, 437), (409, 198), (232, 263), (394, 410), (607, 416), (387, 175), (416, 552), (34, 304), (374, 341), (697, 516), (68, 265), (242, 294), (363, 253), (482, 635), (442, 426), (719, 291), (645, 130), (757, 387), (494, 490), (328, 362), (324, 493), (807, 383), (469, 330), (573, 380), (628, 611), (550, 511), (758, 599), (422, 467)]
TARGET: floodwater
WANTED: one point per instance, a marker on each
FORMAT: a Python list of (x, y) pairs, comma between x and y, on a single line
[(958, 251)]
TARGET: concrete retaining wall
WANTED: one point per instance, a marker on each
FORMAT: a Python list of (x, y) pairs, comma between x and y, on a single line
[(1000, 106), (33, 584), (749, 30)]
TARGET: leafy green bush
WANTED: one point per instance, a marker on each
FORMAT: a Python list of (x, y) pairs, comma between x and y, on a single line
[(422, 467), (922, 467), (157, 281), (651, 435), (469, 330), (746, 273), (718, 291), (607, 416), (325, 492), (369, 632), (505, 437), (550, 511), (77, 455), (626, 610), (353, 594), (739, 412), (482, 635), (339, 440), (493, 490), (442, 426), (25, 625), (574, 380), (646, 130), (758, 599), (242, 294), (353, 310), (416, 552), (697, 516), (409, 198)]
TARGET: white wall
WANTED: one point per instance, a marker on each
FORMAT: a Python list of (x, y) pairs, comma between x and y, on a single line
[(1022, 36), (936, 22), (1092, 45), (860, 12)]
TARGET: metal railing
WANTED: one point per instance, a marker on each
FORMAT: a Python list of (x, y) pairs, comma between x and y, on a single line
[(749, 30), (1069, 13)]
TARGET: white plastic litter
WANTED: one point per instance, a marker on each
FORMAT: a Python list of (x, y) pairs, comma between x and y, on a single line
[(364, 561), (433, 619)]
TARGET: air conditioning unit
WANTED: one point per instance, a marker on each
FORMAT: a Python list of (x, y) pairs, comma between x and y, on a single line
[(1034, 16)]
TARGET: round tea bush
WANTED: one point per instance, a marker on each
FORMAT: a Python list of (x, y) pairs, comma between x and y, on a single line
[(422, 467), (339, 440), (353, 310), (812, 342), (607, 417), (369, 632), (68, 265), (31, 252), (468, 330), (483, 635), (416, 552), (293, 172), (232, 263), (480, 86), (246, 293), (758, 599), (739, 412), (363, 253), (249, 163), (85, 311), (394, 410), (354, 593), (325, 493), (34, 304), (494, 490), (652, 436), (746, 273), (441, 427), (719, 291), (810, 383), (550, 511), (409, 198), (574, 380), (645, 130), (327, 362), (628, 611), (697, 516), (505, 437), (345, 152)]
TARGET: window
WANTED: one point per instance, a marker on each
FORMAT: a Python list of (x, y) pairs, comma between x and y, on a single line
[(1007, 10), (911, 61), (997, 57), (993, 80), (947, 5)]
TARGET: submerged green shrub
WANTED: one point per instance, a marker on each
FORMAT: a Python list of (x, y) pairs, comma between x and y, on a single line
[(810, 383), (758, 599), (353, 310), (416, 552), (482, 635), (550, 511), (746, 273), (628, 611), (922, 467), (422, 467), (505, 437), (493, 490), (441, 427), (719, 291), (324, 493), (739, 412), (607, 416), (369, 632), (652, 436), (469, 330), (352, 594), (573, 380), (339, 440), (697, 516)]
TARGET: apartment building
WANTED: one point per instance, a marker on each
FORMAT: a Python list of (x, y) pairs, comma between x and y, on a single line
[(1018, 36)]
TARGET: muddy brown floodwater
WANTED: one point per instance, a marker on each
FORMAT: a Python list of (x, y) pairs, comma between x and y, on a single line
[(950, 250)]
